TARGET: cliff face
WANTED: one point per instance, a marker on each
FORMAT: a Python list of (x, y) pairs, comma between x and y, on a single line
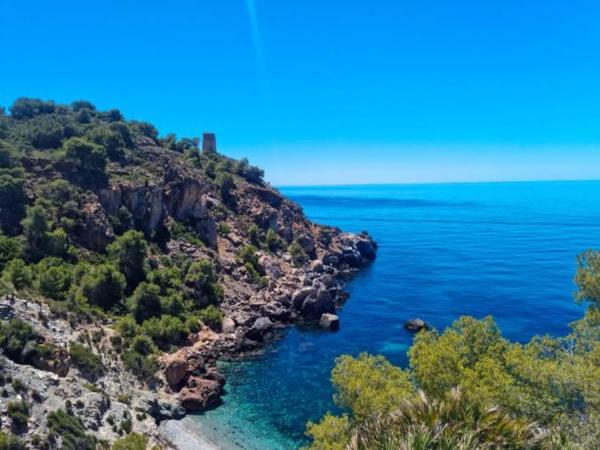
[(273, 266)]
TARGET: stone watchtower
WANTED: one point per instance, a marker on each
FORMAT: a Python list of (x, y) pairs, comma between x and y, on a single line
[(209, 143)]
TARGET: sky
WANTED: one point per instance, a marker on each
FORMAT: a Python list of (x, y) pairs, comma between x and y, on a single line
[(332, 92)]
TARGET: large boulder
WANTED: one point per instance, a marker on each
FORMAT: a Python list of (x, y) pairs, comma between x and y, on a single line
[(200, 394), (300, 295), (316, 305), (175, 372), (261, 326), (161, 410)]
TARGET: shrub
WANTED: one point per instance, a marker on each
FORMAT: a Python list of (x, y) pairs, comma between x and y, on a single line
[(144, 367), (129, 252), (14, 336), (211, 316), (127, 327), (143, 345), (18, 412), (254, 235), (111, 140), (145, 302), (88, 158), (166, 331), (71, 430), (54, 278), (132, 441), (86, 361), (45, 132), (121, 221), (12, 199), (10, 442), (298, 254), (168, 279), (272, 241), (225, 185), (36, 229), (103, 286), (201, 277), (26, 108), (18, 274)]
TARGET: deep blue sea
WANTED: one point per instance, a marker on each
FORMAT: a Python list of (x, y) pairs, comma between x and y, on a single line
[(445, 250)]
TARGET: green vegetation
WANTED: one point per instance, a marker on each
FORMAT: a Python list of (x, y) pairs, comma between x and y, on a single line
[(10, 442), (132, 441), (468, 387), (86, 361), (18, 411), (14, 336), (71, 431)]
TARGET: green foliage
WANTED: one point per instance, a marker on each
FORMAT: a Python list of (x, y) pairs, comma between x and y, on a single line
[(39, 240), (18, 274), (132, 441), (71, 430), (166, 331), (111, 140), (86, 361), (211, 316), (144, 345), (254, 235), (129, 252), (272, 241), (121, 221), (10, 249), (12, 192), (27, 108), (127, 327), (169, 280), (54, 278), (45, 132), (202, 279), (225, 185), (145, 302), (10, 442), (144, 367), (250, 173), (89, 160), (297, 252), (588, 278), (14, 336), (18, 411), (103, 286)]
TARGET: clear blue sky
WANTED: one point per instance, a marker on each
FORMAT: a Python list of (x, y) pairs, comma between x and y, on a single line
[(332, 91)]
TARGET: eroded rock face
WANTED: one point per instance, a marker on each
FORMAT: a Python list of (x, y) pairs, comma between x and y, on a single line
[(151, 205)]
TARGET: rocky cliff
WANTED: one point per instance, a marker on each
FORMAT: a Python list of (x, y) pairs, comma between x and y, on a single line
[(224, 262)]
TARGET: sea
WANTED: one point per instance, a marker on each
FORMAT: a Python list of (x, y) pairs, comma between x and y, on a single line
[(508, 250)]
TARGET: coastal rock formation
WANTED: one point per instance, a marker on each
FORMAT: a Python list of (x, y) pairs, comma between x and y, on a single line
[(200, 394), (330, 322), (415, 325)]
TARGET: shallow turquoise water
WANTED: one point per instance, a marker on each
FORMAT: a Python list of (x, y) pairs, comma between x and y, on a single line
[(505, 249)]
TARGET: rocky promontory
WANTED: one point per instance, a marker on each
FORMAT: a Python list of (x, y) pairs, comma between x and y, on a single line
[(132, 262)]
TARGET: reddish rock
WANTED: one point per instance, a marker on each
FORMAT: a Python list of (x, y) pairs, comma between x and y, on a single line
[(175, 372), (200, 394)]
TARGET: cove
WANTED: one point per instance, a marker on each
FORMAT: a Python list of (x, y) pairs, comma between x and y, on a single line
[(445, 250)]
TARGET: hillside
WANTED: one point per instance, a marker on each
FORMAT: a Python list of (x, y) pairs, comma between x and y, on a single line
[(131, 262)]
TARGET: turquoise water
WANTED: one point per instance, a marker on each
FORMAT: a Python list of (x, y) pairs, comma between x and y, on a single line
[(505, 249)]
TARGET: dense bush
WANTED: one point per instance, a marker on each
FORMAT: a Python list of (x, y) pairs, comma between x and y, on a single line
[(26, 108), (12, 193), (10, 248), (145, 302), (111, 140), (89, 364), (166, 331), (89, 160), (226, 185), (18, 411), (17, 274), (132, 441), (14, 336), (54, 278), (202, 279), (129, 252), (71, 431), (10, 442), (211, 316), (103, 286), (144, 367)]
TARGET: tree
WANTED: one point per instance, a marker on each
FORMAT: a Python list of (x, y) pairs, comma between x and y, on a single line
[(26, 108), (14, 336), (10, 249), (145, 302), (103, 286), (45, 132), (18, 274), (226, 185), (88, 158), (165, 331), (129, 252), (54, 278), (35, 228), (12, 192), (111, 140)]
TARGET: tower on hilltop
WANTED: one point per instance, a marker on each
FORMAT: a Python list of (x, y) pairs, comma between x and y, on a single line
[(209, 143)]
